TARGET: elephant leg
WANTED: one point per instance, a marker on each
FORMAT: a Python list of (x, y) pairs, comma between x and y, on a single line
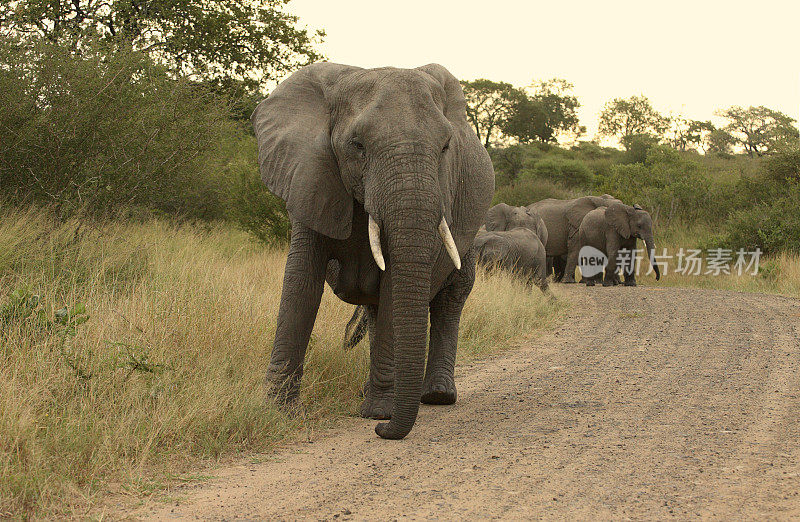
[(611, 276), (439, 386), (573, 248), (558, 268), (303, 283), (379, 390), (630, 275)]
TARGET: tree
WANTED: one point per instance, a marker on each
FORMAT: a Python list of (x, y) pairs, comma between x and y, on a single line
[(759, 130), (543, 115), (719, 141), (684, 132), (489, 106), (509, 161), (625, 117), (249, 41)]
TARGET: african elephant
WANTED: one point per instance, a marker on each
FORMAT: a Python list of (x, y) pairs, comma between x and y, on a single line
[(519, 250), (614, 228), (563, 217), (384, 178), (506, 217)]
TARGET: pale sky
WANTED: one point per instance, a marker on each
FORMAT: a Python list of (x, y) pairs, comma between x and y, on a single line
[(688, 57)]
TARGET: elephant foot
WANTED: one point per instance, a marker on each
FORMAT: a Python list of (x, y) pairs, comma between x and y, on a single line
[(608, 283), (630, 283), (377, 403), (282, 389), (568, 281), (439, 390), (590, 282)]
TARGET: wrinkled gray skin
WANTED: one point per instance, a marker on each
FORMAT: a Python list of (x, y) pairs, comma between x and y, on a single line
[(506, 217), (616, 227), (519, 251), (340, 144), (563, 217)]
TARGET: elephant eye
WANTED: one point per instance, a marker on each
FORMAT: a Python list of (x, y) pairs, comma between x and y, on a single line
[(446, 146), (357, 144)]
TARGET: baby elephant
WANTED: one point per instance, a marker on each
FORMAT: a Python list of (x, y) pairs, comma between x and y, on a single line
[(614, 228), (519, 250)]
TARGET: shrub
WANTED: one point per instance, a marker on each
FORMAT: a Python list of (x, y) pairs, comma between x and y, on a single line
[(637, 147), (772, 226), (100, 130), (669, 185), (784, 166), (529, 191), (250, 205), (569, 172)]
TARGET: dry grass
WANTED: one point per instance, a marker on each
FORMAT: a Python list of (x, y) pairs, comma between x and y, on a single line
[(167, 371), (777, 274)]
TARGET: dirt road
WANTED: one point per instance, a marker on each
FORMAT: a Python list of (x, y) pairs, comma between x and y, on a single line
[(645, 403)]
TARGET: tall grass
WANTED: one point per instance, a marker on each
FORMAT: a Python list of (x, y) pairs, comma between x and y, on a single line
[(778, 273), (167, 370)]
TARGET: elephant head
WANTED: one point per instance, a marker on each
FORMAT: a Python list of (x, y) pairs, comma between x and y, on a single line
[(634, 222), (397, 143), (505, 217)]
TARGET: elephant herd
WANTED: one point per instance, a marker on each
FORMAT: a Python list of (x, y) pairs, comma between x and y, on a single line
[(386, 185), (544, 238)]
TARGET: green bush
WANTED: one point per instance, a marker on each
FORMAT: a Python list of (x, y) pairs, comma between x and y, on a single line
[(98, 131), (668, 185), (529, 191), (784, 166), (637, 147), (772, 226), (569, 172), (250, 205)]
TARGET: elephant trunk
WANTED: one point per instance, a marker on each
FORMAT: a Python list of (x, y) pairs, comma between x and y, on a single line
[(410, 285), (410, 219), (651, 252)]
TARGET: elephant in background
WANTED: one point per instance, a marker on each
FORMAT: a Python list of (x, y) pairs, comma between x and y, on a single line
[(519, 251), (386, 184), (563, 218), (612, 229), (505, 217)]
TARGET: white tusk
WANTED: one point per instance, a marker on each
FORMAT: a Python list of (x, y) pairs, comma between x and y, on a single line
[(375, 243), (449, 244)]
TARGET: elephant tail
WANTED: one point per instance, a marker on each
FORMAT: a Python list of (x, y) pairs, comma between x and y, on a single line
[(356, 328)]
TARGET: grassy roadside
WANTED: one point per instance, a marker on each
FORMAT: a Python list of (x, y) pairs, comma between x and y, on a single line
[(131, 353), (777, 273)]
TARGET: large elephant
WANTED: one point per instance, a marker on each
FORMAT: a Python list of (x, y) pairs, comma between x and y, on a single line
[(563, 217), (615, 228), (384, 178), (519, 251), (505, 217)]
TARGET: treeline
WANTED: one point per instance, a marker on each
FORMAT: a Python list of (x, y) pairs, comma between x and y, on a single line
[(546, 112), (139, 107), (731, 186)]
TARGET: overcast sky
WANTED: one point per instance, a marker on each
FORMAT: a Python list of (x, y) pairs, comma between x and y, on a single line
[(688, 57)]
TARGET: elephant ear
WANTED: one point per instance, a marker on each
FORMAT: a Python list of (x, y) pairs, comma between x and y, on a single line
[(578, 210), (295, 157), (471, 177), (497, 217), (619, 215)]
